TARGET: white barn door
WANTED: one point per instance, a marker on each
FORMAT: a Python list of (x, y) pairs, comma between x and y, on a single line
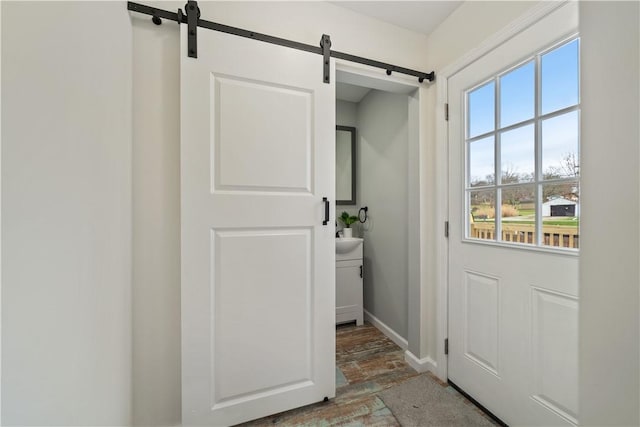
[(258, 265)]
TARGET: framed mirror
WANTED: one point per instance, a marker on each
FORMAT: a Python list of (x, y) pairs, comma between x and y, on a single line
[(345, 165)]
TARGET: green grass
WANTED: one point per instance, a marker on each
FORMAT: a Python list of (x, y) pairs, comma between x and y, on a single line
[(568, 222), (559, 222)]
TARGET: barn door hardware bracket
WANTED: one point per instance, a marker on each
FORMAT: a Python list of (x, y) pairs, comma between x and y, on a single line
[(191, 17), (325, 44)]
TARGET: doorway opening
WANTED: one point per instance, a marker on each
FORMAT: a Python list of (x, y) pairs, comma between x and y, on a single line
[(375, 282)]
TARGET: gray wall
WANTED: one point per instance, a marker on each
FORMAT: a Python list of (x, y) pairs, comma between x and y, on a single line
[(381, 121), (66, 213), (382, 124), (346, 113)]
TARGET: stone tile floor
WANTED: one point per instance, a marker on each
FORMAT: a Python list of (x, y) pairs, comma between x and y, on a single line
[(367, 363)]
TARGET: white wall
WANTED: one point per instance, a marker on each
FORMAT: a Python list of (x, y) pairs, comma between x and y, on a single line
[(156, 217), (382, 123), (0, 220), (66, 193), (610, 239), (66, 197), (66, 214), (156, 287)]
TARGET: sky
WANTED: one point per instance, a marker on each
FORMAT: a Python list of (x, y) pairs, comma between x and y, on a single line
[(559, 89)]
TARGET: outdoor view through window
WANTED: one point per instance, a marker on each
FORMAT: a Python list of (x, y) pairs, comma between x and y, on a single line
[(522, 152)]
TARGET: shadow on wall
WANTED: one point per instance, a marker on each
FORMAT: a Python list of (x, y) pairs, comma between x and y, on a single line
[(156, 224)]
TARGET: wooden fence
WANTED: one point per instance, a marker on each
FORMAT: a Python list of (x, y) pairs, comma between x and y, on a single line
[(552, 235)]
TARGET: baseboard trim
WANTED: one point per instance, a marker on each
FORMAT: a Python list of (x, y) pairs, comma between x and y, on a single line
[(421, 365), (382, 327)]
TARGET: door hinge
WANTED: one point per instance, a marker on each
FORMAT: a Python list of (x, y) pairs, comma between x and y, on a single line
[(446, 346), (446, 229), (446, 111)]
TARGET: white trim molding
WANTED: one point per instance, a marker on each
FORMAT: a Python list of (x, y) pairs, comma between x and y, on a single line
[(387, 331), (421, 365), (530, 17)]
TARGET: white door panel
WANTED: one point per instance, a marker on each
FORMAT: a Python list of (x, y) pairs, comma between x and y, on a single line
[(481, 323), (512, 311), (554, 318), (269, 113), (258, 281)]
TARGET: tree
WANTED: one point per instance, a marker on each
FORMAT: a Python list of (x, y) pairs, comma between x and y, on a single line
[(515, 195), (511, 176), (569, 167), (483, 197)]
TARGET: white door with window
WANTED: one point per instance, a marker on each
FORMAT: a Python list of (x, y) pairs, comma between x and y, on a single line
[(258, 264), (514, 225)]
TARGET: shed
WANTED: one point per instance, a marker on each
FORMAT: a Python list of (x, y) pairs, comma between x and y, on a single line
[(560, 207)]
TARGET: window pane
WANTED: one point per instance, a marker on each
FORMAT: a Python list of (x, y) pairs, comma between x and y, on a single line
[(518, 212), (482, 214), (560, 215), (517, 95), (481, 162), (560, 78), (517, 152), (532, 170), (481, 114), (560, 157)]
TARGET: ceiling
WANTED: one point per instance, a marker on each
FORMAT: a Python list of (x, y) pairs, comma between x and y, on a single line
[(354, 87), (351, 93), (419, 16)]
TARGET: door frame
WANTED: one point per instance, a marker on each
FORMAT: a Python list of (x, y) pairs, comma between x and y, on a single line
[(415, 346), (529, 18)]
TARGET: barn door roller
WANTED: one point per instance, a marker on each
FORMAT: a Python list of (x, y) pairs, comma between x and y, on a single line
[(191, 17), (193, 14)]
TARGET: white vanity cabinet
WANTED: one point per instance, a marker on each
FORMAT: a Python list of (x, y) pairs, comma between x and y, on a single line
[(349, 274)]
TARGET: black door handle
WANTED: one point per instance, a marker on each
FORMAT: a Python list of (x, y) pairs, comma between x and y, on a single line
[(326, 211), (361, 271)]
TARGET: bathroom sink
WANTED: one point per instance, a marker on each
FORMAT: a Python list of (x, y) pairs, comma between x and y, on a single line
[(347, 244)]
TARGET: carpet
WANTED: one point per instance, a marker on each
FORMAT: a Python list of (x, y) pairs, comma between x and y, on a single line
[(422, 401)]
